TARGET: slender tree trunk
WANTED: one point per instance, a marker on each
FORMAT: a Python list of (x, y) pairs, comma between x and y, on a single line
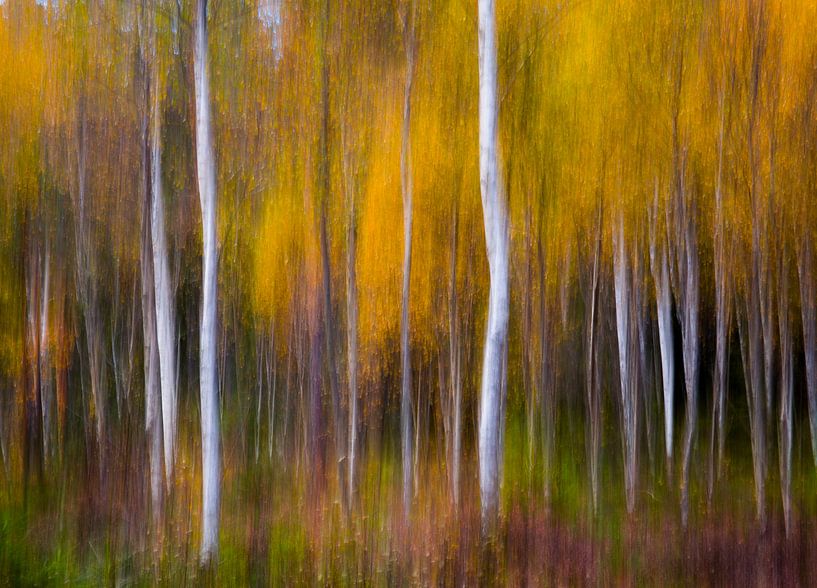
[(663, 299), (406, 183), (757, 364), (758, 329), (786, 386), (495, 216), (259, 390), (153, 408), (314, 411), (547, 403), (751, 353), (766, 290), (691, 344), (808, 309), (165, 306), (723, 311), (62, 348), (645, 378), (208, 376), (684, 274), (46, 389), (592, 384), (118, 367), (324, 168), (351, 335), (153, 416), (272, 381), (31, 345), (28, 349), (528, 361), (624, 331), (87, 289), (453, 405)]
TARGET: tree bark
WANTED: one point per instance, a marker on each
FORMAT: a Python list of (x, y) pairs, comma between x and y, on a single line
[(723, 311), (406, 184), (592, 376), (626, 357), (351, 333), (808, 310), (165, 307), (153, 415), (663, 301), (495, 218), (785, 433), (208, 376)]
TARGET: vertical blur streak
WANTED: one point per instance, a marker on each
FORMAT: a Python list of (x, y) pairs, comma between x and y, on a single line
[(808, 306), (324, 188), (494, 209), (624, 332), (591, 365), (153, 420), (663, 302), (723, 304), (351, 326), (153, 407), (165, 314), (86, 281), (208, 378), (407, 188)]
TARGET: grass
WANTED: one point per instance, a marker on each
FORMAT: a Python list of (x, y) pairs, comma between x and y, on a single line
[(281, 526)]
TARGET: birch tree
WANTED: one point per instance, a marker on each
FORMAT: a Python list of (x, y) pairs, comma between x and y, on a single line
[(165, 307), (686, 283), (659, 266), (592, 375), (453, 407), (153, 412), (627, 357), (208, 376), (723, 307), (495, 216), (808, 310), (153, 406), (407, 189), (786, 385)]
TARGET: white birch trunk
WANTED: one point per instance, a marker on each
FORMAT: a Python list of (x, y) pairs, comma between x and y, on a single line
[(592, 384), (691, 349), (405, 351), (751, 344), (165, 314), (496, 241), (785, 432), (453, 411), (663, 301), (153, 416), (808, 308), (351, 339), (629, 409), (723, 304), (208, 377), (46, 391)]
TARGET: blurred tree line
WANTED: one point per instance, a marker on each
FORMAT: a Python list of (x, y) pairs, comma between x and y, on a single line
[(656, 164)]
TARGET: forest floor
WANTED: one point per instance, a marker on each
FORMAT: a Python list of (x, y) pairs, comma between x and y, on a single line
[(281, 523)]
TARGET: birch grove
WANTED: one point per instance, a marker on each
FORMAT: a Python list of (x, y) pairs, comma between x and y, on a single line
[(415, 292)]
